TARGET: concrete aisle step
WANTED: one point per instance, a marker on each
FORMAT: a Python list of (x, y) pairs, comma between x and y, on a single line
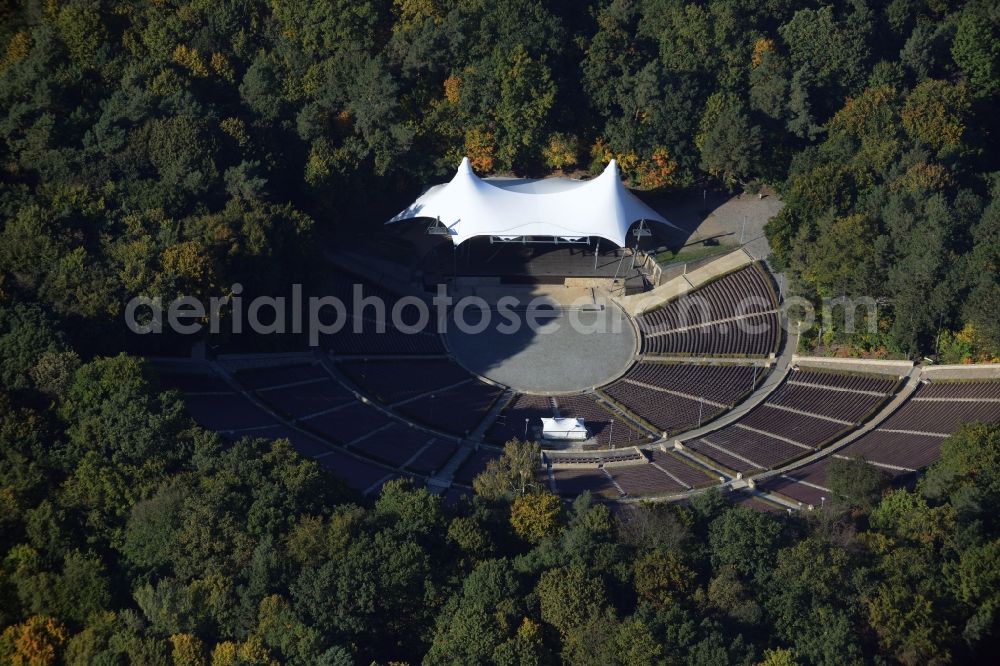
[(442, 480), (480, 431)]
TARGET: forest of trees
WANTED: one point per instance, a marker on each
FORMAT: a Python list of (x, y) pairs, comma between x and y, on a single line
[(177, 146), (130, 536)]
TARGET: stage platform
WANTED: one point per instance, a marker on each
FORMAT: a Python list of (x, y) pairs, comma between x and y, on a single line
[(514, 263), (521, 296)]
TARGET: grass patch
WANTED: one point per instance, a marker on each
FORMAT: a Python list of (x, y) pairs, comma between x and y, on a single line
[(691, 253)]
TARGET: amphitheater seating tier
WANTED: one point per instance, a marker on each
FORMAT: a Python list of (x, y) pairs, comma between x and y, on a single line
[(348, 423), (762, 450), (842, 405), (367, 445), (593, 457), (458, 410), (750, 501), (911, 438), (757, 335), (682, 470), (808, 411), (735, 315), (639, 480), (361, 336), (392, 381), (599, 422), (807, 430), (305, 400), (279, 375), (666, 411), (474, 464), (573, 482), (741, 293), (674, 397), (433, 456), (509, 424), (190, 383), (721, 457), (393, 445), (725, 384), (806, 484), (896, 449), (214, 405), (227, 412)]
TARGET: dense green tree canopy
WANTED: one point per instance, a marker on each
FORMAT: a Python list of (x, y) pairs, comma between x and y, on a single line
[(173, 148)]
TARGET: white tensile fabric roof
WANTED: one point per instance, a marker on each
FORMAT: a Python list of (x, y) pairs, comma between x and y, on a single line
[(471, 206)]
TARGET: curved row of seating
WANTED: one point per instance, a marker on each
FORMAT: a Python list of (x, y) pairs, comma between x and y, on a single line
[(663, 473), (835, 380), (667, 412), (216, 405), (394, 381), (756, 335), (675, 397), (968, 390), (592, 457), (435, 392), (808, 411), (911, 437), (572, 482), (456, 410), (519, 417), (392, 342), (607, 429), (908, 441), (739, 294), (726, 384)]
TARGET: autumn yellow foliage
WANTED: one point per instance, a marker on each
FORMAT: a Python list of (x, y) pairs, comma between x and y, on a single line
[(191, 60), (561, 151), (760, 47), (188, 650), (657, 171), (535, 516), (480, 146), (17, 49), (934, 113), (453, 89), (38, 641)]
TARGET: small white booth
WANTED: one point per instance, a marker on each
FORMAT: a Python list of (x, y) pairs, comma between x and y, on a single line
[(564, 429)]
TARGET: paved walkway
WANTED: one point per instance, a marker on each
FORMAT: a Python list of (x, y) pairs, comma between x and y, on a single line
[(442, 480), (722, 217), (569, 353), (706, 360)]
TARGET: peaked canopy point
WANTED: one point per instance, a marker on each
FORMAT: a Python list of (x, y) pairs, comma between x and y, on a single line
[(469, 206)]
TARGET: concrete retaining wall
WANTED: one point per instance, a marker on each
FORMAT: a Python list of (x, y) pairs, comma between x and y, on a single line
[(563, 459), (981, 371), (876, 366)]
